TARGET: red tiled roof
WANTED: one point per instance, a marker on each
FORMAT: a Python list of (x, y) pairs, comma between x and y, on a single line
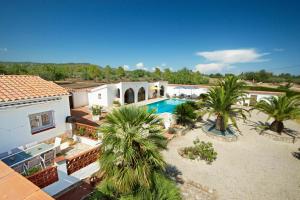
[(22, 87), (15, 186)]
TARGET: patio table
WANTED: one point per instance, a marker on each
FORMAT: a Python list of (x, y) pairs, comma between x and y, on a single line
[(27, 154)]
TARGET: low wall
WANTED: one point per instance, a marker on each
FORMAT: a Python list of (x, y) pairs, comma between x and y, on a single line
[(45, 177), (82, 160)]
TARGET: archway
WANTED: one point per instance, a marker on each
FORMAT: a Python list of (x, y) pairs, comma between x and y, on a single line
[(141, 94), (129, 96), (162, 91)]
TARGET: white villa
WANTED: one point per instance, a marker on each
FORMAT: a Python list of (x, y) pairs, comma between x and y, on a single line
[(134, 92), (31, 110), (34, 113), (123, 92)]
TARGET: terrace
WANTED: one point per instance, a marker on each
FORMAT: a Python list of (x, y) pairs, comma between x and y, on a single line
[(47, 164)]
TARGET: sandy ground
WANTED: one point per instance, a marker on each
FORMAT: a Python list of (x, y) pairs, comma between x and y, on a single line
[(254, 167)]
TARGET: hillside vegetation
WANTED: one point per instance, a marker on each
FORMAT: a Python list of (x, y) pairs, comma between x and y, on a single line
[(86, 71)]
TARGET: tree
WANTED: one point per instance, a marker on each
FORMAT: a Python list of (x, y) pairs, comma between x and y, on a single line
[(280, 109), (130, 157), (221, 101), (120, 72), (185, 114)]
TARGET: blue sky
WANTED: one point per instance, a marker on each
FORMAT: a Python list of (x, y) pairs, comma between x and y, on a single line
[(210, 36)]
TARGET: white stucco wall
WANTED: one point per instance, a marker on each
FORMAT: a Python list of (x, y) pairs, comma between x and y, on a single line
[(172, 91), (15, 127), (123, 86), (108, 95), (80, 98)]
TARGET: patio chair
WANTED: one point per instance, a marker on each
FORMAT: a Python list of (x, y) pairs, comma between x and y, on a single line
[(48, 158), (3, 155), (19, 168), (34, 162)]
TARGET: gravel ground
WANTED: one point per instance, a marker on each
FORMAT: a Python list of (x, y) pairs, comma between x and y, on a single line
[(254, 167)]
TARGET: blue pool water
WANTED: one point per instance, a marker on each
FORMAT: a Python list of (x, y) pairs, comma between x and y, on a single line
[(165, 105)]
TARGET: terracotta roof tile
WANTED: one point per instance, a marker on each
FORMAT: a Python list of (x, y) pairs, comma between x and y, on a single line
[(22, 87), (15, 186)]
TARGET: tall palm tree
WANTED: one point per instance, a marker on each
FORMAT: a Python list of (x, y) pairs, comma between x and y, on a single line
[(130, 155), (280, 109), (221, 101)]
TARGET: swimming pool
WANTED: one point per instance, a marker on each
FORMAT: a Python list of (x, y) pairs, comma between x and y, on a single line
[(167, 105)]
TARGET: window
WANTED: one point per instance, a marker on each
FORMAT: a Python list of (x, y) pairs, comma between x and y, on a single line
[(41, 121), (99, 96)]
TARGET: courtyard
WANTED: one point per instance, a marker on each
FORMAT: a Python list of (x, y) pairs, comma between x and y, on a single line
[(253, 167)]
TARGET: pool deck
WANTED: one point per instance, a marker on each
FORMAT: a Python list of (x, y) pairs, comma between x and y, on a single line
[(146, 102)]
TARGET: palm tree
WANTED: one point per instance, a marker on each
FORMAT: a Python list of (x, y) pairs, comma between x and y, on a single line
[(130, 155), (221, 101), (280, 108), (185, 114)]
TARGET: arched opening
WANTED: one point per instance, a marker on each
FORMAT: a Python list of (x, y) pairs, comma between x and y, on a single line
[(129, 96), (141, 94), (118, 93), (162, 91)]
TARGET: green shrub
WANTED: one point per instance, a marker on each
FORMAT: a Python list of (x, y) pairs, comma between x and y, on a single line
[(33, 170), (96, 110), (81, 131), (193, 104), (185, 114), (201, 150), (94, 135)]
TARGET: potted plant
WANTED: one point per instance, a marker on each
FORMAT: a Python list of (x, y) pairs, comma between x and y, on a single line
[(96, 112)]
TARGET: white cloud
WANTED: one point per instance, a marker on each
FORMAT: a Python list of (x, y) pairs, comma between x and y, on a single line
[(224, 59), (3, 49), (210, 67), (140, 65), (232, 56), (126, 67)]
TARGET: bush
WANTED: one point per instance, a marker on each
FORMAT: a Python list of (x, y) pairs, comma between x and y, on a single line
[(33, 170), (201, 150), (96, 110), (193, 104), (185, 114), (81, 131)]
